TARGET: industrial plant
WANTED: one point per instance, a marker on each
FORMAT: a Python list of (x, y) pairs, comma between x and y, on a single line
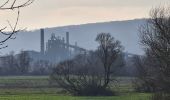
[(57, 49)]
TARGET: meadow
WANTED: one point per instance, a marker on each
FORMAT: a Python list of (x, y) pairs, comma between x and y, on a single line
[(140, 96), (40, 88)]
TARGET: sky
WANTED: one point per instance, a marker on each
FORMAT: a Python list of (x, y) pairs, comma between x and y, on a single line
[(53, 13)]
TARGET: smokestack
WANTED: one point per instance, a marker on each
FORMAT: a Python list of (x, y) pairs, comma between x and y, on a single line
[(67, 39), (42, 41)]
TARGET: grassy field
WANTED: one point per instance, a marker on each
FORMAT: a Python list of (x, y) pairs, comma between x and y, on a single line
[(40, 88), (55, 97)]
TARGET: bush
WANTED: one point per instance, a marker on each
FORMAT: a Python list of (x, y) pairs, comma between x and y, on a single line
[(81, 76), (80, 80)]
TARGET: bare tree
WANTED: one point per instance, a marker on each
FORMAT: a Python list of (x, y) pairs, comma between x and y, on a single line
[(85, 74), (24, 62), (108, 51), (14, 6), (155, 38), (9, 64)]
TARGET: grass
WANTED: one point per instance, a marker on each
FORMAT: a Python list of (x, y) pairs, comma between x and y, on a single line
[(40, 85), (138, 96), (20, 79), (39, 88)]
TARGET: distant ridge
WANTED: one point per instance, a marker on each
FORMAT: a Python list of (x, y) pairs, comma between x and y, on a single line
[(126, 31)]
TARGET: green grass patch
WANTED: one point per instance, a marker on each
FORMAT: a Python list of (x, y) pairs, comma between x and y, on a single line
[(135, 96), (39, 88)]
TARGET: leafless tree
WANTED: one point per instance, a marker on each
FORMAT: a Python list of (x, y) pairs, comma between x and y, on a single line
[(108, 51), (155, 38), (85, 74), (24, 62), (9, 64), (14, 6)]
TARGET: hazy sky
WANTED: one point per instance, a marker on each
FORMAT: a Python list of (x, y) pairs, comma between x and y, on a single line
[(51, 13)]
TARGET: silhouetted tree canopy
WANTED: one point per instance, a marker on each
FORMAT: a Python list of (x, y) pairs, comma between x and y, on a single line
[(155, 38)]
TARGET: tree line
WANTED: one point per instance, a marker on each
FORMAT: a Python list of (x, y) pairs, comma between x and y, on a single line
[(23, 64)]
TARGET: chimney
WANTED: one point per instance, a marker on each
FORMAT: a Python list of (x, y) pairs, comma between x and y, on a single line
[(42, 41), (67, 39)]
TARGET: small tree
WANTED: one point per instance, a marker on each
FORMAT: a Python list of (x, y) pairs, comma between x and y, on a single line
[(108, 51), (85, 74), (23, 62), (9, 64)]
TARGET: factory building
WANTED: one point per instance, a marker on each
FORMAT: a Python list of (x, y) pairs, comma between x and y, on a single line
[(58, 49)]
